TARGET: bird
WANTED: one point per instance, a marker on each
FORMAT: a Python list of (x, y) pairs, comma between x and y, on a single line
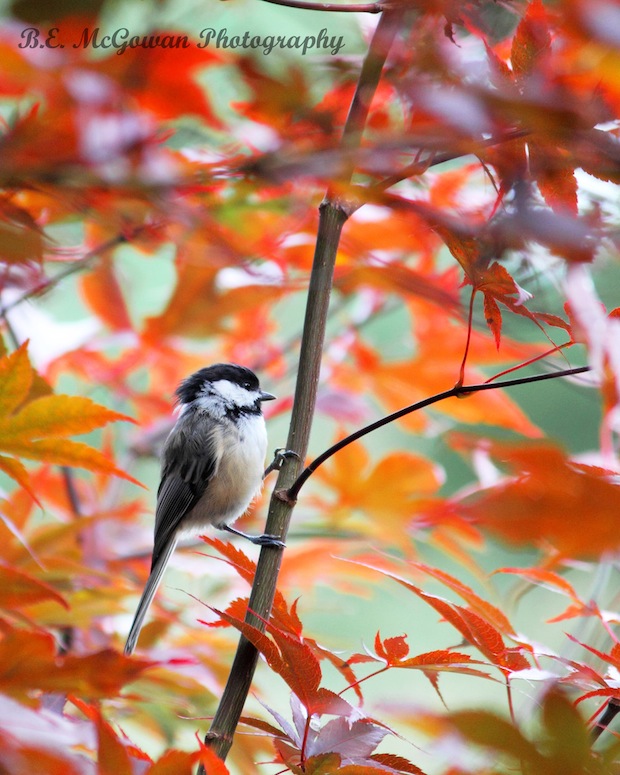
[(211, 466)]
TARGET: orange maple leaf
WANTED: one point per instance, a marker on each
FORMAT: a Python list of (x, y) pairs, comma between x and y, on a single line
[(547, 500), (360, 487)]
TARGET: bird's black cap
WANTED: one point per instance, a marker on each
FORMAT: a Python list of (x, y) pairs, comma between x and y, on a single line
[(193, 386)]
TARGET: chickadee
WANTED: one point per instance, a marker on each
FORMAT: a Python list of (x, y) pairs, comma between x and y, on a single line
[(212, 465)]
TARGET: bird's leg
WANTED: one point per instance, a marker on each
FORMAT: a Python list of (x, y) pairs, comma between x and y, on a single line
[(279, 456), (262, 540)]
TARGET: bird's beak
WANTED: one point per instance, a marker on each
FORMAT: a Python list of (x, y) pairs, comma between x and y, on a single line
[(266, 396)]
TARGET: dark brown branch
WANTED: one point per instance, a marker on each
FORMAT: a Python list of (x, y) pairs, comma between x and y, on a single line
[(611, 711), (332, 218), (344, 8), (75, 266), (417, 167), (241, 674), (71, 490), (277, 166), (455, 392)]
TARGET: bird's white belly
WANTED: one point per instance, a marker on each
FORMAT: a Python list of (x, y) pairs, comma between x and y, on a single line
[(237, 480)]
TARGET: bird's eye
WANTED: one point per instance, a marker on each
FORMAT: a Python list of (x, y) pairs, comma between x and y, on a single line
[(247, 385)]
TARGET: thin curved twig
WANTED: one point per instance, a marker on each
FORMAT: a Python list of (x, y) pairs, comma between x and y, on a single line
[(75, 266), (334, 7), (419, 166), (455, 392)]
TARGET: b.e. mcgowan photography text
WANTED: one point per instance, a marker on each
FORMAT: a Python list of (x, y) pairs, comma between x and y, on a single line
[(122, 39)]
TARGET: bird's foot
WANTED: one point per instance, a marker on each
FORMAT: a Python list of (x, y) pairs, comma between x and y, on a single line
[(279, 456)]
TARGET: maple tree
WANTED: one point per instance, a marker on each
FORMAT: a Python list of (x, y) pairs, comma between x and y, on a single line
[(441, 204)]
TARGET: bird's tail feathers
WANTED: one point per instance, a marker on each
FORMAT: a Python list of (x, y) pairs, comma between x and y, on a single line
[(157, 571)]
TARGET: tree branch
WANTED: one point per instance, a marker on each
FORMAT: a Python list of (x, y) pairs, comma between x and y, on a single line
[(333, 215), (344, 8), (417, 167), (455, 392), (611, 711), (75, 266)]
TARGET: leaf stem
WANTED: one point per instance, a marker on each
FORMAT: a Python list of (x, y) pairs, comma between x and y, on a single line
[(470, 317), (364, 678), (536, 358), (304, 743)]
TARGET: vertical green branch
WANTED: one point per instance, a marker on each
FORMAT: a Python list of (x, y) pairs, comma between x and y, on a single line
[(333, 215)]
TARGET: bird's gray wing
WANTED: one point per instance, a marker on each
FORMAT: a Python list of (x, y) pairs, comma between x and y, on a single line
[(186, 472), (190, 461)]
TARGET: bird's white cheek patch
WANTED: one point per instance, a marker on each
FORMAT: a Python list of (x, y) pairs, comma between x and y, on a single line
[(235, 394)]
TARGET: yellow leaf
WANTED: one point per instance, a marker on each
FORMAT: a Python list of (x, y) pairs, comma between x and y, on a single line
[(16, 376), (64, 452), (57, 416), (17, 590), (17, 472)]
